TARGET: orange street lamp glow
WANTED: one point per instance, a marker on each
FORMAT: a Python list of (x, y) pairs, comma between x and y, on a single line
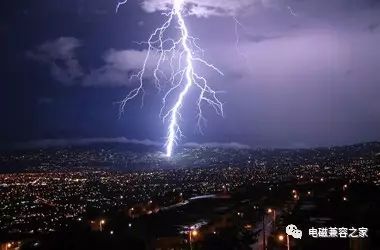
[(282, 238), (194, 233)]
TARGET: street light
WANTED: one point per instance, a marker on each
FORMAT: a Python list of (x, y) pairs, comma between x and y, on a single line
[(281, 238), (270, 210), (101, 223), (8, 245), (192, 233)]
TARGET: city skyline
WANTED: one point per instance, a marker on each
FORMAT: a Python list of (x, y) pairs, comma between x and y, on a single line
[(114, 196)]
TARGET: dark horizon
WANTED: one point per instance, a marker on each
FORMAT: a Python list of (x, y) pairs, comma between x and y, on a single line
[(96, 142)]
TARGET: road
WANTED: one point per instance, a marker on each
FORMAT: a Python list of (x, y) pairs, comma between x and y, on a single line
[(268, 230)]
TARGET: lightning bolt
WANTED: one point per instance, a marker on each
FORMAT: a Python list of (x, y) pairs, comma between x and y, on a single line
[(120, 4), (183, 56), (238, 25), (292, 12)]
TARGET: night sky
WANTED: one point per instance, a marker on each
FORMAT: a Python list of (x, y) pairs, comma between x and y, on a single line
[(298, 73)]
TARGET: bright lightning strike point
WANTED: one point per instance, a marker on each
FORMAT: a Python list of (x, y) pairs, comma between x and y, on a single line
[(181, 54)]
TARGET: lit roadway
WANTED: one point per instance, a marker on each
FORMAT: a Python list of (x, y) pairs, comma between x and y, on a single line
[(268, 231)]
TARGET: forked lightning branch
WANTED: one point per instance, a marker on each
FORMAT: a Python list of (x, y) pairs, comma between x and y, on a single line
[(183, 56)]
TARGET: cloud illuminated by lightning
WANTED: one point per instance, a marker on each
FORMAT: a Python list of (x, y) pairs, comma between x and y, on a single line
[(182, 55)]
